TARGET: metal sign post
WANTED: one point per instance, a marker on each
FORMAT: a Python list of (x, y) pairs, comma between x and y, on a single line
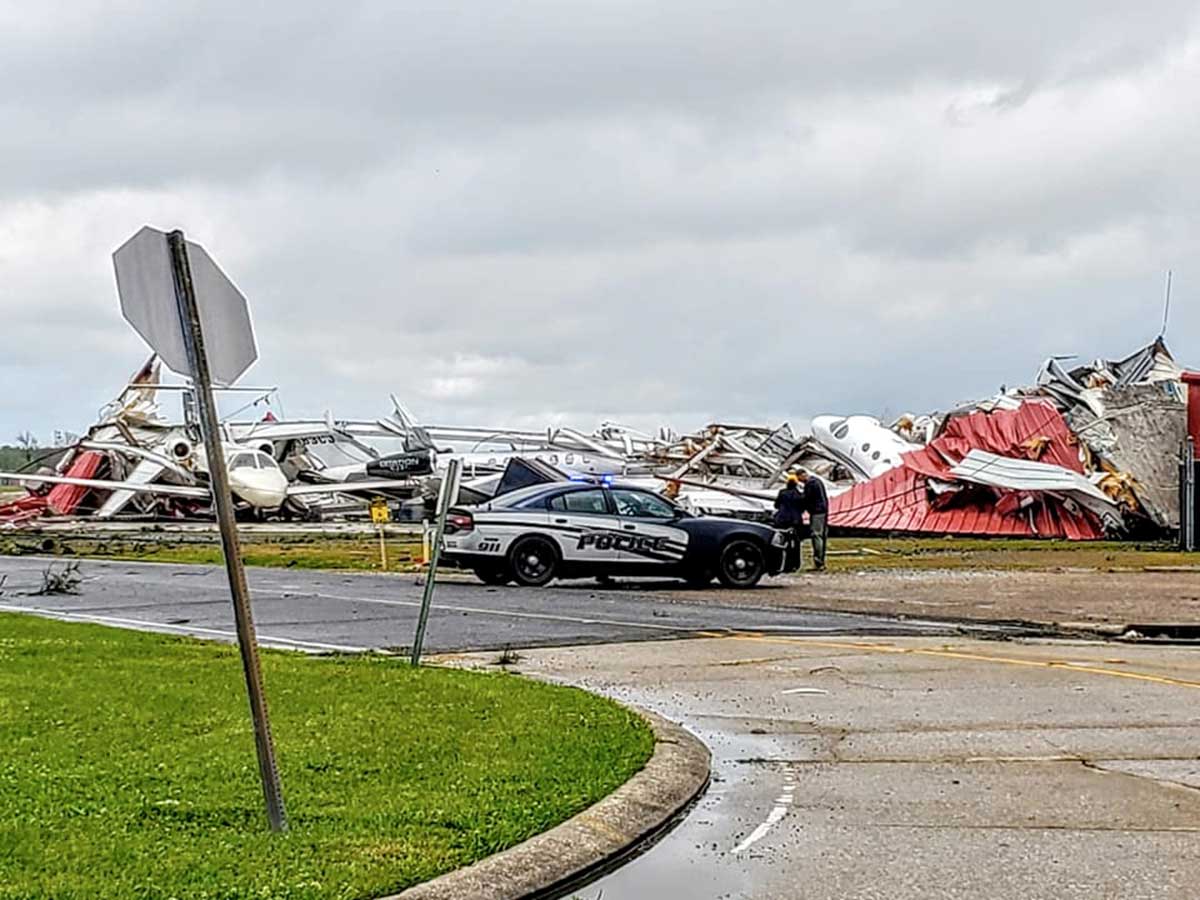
[(150, 271), (189, 315), (446, 498)]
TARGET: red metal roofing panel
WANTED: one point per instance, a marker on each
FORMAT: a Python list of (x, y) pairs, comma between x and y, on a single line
[(22, 509), (64, 498), (897, 500)]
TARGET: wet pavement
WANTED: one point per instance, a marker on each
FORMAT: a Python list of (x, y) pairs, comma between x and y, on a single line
[(332, 611), (916, 768)]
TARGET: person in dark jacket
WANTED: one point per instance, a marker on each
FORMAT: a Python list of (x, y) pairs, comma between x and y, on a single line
[(816, 503), (789, 516)]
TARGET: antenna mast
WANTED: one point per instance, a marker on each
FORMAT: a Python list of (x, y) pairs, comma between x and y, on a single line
[(1166, 306)]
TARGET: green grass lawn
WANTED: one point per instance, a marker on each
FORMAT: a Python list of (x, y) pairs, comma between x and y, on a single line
[(847, 553), (403, 553), (128, 767)]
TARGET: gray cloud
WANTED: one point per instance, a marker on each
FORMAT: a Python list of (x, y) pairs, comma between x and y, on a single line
[(651, 212)]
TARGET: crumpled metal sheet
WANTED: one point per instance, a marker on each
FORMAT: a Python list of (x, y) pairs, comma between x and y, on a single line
[(1035, 430), (1139, 433), (914, 497), (64, 499), (1029, 476), (1148, 365)]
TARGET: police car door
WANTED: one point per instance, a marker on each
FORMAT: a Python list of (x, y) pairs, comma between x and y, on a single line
[(585, 528), (647, 524)]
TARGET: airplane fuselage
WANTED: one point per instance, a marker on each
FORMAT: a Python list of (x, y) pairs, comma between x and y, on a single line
[(862, 443)]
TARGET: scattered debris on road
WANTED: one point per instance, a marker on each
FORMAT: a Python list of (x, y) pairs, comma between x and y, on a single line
[(65, 581)]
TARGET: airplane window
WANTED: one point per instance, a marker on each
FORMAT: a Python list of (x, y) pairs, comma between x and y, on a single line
[(875, 455), (569, 459), (840, 429), (866, 447), (242, 461)]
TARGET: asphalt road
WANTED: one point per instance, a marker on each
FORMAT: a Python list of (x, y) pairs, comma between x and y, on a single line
[(915, 768), (329, 611)]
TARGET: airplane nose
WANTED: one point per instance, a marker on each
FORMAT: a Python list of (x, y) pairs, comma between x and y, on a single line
[(262, 489)]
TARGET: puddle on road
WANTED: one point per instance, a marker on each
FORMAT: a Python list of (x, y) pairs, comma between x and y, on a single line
[(691, 863), (695, 860)]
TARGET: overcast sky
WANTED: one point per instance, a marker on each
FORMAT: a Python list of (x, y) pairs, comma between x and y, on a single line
[(568, 211)]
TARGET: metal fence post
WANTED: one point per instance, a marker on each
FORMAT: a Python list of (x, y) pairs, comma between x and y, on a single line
[(446, 498)]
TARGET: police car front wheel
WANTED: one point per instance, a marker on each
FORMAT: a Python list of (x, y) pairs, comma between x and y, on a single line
[(533, 561), (742, 563)]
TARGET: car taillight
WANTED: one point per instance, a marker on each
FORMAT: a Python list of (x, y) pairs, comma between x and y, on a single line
[(459, 521)]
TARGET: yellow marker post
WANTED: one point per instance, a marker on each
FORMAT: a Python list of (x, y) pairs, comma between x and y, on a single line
[(381, 515)]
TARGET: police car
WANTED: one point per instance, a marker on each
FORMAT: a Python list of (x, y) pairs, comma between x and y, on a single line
[(577, 529)]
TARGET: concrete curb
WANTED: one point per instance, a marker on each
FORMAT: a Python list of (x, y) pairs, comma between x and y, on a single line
[(1033, 628), (566, 857)]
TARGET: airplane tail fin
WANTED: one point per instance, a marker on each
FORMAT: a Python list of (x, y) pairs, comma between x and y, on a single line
[(415, 437)]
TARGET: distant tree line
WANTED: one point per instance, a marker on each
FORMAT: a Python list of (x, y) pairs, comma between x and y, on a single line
[(26, 452)]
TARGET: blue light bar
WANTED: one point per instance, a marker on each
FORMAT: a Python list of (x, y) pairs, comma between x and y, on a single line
[(591, 479)]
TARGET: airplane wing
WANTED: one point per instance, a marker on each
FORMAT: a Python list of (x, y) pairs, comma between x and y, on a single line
[(166, 490), (378, 485), (737, 492), (243, 432)]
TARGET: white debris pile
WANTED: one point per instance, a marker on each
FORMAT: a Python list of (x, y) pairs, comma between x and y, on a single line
[(1115, 425)]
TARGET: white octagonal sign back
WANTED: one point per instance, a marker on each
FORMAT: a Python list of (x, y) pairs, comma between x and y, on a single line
[(147, 291)]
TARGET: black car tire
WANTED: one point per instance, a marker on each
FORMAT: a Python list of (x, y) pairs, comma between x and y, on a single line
[(742, 563), (496, 574), (533, 561)]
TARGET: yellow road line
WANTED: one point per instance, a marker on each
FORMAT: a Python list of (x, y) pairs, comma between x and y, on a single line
[(974, 657)]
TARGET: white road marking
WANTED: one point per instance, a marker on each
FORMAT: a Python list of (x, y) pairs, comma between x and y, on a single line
[(761, 831), (191, 630), (483, 611), (804, 690), (782, 802)]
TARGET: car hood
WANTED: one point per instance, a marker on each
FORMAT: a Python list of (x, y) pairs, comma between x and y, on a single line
[(723, 525)]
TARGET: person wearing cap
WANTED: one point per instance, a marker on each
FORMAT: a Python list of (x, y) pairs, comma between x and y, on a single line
[(789, 516), (816, 503)]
